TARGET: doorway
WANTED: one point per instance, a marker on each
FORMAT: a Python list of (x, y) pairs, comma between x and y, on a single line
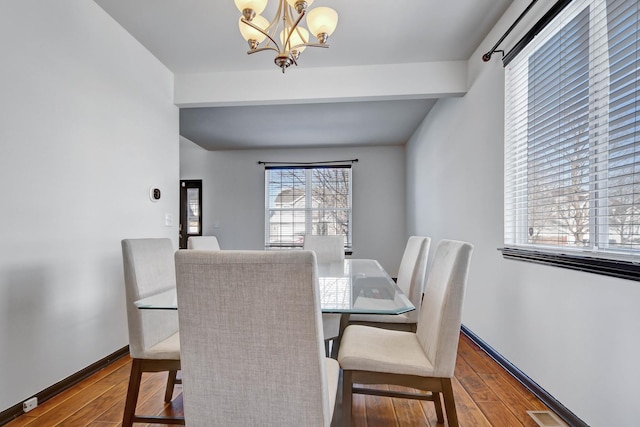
[(190, 210)]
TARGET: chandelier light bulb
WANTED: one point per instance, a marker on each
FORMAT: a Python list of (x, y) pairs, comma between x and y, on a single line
[(250, 8), (300, 5), (299, 36), (322, 22), (285, 34), (250, 34)]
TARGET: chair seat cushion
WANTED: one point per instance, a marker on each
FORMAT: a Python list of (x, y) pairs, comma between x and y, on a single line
[(365, 348), (168, 349), (333, 373), (380, 318)]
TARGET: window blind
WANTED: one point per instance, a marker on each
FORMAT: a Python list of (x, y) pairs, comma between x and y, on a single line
[(572, 152), (307, 200)]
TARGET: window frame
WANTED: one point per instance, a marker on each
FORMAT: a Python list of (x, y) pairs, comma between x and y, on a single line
[(616, 263), (308, 210)]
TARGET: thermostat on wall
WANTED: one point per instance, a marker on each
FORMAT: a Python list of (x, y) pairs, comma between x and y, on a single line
[(154, 194)]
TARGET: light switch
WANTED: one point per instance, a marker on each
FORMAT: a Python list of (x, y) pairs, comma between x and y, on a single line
[(168, 220)]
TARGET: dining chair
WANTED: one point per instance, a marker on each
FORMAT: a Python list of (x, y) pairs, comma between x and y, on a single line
[(328, 249), (154, 343), (423, 360), (411, 280), (238, 366), (205, 243)]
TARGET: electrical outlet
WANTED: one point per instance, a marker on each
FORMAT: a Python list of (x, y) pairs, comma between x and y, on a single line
[(29, 404)]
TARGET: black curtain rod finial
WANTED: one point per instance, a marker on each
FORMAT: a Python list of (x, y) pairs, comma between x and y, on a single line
[(487, 56)]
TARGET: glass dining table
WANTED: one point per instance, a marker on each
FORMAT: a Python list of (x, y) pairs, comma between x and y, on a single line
[(352, 286)]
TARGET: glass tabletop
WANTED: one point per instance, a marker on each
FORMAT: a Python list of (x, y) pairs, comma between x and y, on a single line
[(355, 286)]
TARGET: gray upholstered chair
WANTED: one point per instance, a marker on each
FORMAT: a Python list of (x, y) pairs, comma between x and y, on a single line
[(328, 249), (154, 343), (423, 360), (204, 243), (238, 367), (411, 280)]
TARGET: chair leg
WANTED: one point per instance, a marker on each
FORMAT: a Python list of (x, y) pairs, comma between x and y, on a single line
[(132, 393), (437, 402), (171, 382), (335, 344), (347, 396), (449, 402)]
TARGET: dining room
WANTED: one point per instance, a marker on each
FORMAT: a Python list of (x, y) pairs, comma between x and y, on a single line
[(92, 121)]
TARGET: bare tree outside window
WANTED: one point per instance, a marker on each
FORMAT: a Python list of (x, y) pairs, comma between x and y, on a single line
[(332, 200), (558, 148), (559, 204), (572, 151), (304, 201), (624, 212)]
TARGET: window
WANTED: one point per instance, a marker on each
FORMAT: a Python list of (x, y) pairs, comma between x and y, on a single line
[(572, 135), (309, 200)]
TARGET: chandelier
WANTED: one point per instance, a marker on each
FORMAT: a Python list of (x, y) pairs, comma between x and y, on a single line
[(285, 27)]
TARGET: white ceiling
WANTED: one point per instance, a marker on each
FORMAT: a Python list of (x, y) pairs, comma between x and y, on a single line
[(201, 36), (311, 125)]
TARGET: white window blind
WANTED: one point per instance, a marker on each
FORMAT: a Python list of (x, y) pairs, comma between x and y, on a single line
[(306, 200), (572, 141)]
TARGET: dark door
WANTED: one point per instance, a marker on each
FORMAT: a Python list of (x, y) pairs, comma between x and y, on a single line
[(190, 210)]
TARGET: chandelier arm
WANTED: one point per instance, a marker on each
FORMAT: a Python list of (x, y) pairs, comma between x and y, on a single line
[(261, 49), (275, 22), (255, 27), (297, 30), (294, 27), (311, 45), (284, 21)]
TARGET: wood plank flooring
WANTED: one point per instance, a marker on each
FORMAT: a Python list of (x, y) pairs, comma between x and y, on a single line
[(486, 395)]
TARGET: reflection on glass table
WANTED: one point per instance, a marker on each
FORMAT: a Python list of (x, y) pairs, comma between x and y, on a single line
[(353, 286)]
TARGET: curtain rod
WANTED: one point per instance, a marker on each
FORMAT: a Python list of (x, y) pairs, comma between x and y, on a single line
[(487, 56), (308, 163), (533, 32)]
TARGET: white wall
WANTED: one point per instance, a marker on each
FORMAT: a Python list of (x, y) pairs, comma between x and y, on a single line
[(233, 195), (575, 334), (87, 125)]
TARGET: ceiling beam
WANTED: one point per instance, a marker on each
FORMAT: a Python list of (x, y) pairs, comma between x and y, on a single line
[(329, 84)]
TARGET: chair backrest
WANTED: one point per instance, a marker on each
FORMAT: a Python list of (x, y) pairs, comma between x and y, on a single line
[(412, 272), (148, 269), (327, 248), (204, 243), (441, 315), (251, 338)]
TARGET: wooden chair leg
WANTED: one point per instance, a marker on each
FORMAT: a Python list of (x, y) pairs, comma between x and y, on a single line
[(132, 393), (449, 402), (437, 402), (347, 397), (171, 382), (335, 344)]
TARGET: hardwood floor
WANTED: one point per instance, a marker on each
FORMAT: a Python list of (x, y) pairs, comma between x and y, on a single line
[(486, 395)]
